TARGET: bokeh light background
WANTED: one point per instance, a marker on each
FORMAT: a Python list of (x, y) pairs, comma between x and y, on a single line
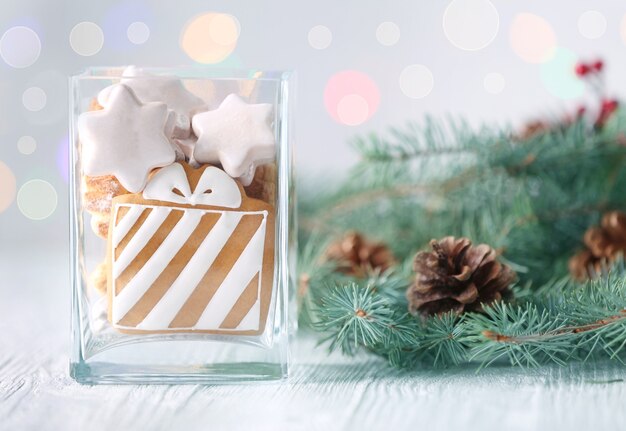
[(361, 66)]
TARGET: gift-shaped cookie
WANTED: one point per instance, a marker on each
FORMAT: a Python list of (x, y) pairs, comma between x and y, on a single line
[(191, 253)]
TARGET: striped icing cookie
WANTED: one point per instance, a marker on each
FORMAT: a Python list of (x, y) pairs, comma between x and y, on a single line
[(192, 253)]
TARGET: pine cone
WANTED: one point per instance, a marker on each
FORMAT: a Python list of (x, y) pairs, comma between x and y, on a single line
[(356, 256), (457, 277), (603, 243)]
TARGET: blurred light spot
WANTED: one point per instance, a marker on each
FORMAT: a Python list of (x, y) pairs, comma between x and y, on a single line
[(494, 83), (20, 47), (34, 99), (532, 38), (7, 187), (118, 24), (37, 199), (351, 97), (471, 24), (224, 29), (63, 159), (204, 89), (352, 110), (86, 38), (591, 24), (558, 75), (138, 33), (416, 81), (26, 145), (54, 85), (320, 37), (388, 33), (210, 37)]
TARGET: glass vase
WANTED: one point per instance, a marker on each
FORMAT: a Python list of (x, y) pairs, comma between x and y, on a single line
[(182, 263)]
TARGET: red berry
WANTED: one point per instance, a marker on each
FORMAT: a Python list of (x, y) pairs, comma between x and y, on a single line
[(609, 106), (582, 69), (598, 65)]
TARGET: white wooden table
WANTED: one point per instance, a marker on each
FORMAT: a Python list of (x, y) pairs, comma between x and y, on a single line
[(324, 392)]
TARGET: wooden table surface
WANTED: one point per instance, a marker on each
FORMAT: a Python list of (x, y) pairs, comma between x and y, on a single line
[(323, 393)]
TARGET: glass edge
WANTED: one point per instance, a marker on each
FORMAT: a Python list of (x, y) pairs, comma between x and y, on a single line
[(75, 332), (186, 72), (286, 83), (288, 231)]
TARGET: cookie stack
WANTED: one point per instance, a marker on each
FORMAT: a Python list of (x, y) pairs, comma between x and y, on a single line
[(185, 198)]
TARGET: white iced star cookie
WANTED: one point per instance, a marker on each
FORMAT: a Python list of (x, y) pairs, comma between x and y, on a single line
[(167, 89), (126, 139), (237, 135)]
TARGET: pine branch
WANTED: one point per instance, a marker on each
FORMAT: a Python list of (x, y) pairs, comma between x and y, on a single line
[(579, 325), (354, 317), (415, 142), (588, 321), (523, 334), (532, 200)]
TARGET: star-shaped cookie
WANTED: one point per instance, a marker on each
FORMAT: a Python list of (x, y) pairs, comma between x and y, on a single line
[(166, 89), (237, 135), (126, 139)]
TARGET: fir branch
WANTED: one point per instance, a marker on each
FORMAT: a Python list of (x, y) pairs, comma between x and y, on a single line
[(532, 200), (568, 323), (583, 321), (443, 340), (524, 334), (354, 317), (414, 141)]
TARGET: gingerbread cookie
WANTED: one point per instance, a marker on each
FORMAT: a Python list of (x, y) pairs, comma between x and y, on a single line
[(126, 139), (94, 105), (237, 135), (97, 193), (98, 278), (263, 185), (181, 103), (192, 253), (189, 249)]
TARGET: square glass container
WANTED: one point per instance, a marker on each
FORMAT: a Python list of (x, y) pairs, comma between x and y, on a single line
[(180, 303)]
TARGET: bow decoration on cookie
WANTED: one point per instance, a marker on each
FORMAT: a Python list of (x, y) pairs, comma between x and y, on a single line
[(215, 188)]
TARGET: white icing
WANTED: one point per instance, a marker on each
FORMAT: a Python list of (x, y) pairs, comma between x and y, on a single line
[(243, 271), (167, 89), (157, 263), (246, 179), (247, 266), (237, 135), (252, 319), (170, 304), (215, 188), (180, 155), (177, 129), (177, 126), (140, 239), (126, 139), (124, 226), (162, 184), (186, 146)]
